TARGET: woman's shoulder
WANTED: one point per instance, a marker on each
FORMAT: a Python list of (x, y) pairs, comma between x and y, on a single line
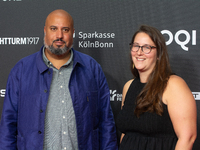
[(125, 89), (177, 89), (128, 83), (176, 81)]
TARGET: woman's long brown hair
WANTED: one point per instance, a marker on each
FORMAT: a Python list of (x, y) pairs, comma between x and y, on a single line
[(150, 98)]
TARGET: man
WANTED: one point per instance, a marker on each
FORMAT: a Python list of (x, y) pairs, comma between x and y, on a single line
[(57, 98)]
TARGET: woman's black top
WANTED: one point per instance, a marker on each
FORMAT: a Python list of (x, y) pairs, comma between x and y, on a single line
[(148, 132)]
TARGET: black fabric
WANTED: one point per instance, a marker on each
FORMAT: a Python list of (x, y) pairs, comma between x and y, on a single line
[(148, 132)]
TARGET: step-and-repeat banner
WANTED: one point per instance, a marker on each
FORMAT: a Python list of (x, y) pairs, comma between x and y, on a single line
[(103, 29)]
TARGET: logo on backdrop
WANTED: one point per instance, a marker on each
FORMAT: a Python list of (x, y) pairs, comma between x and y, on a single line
[(19, 40), (188, 37), (2, 92), (196, 95), (114, 96), (95, 39)]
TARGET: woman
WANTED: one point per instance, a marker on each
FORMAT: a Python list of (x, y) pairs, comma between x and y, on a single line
[(158, 109)]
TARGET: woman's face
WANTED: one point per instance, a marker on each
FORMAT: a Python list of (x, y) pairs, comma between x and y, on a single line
[(144, 62)]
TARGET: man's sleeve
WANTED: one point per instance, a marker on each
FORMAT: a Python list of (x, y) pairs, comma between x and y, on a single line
[(108, 137), (8, 124)]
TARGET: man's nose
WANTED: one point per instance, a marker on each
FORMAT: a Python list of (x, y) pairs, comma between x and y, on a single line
[(59, 34)]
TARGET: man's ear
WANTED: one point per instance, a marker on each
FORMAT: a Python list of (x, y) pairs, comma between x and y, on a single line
[(44, 30)]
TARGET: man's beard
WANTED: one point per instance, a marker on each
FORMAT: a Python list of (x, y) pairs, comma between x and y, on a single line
[(59, 50)]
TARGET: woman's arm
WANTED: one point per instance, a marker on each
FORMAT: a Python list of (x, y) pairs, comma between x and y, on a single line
[(125, 89), (182, 110)]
